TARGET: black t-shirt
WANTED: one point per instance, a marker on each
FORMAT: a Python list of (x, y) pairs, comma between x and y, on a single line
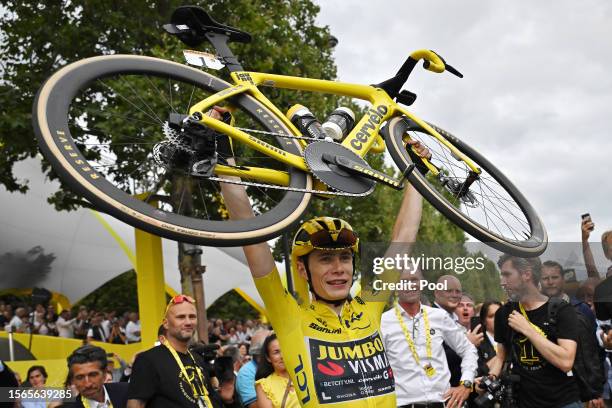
[(603, 299), (542, 384), (157, 379)]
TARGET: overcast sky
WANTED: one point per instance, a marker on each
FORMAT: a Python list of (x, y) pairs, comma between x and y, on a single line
[(536, 98)]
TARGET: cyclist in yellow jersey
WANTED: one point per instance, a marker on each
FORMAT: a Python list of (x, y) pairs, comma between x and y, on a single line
[(331, 343)]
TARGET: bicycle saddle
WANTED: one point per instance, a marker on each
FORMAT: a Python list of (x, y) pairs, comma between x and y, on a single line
[(191, 24)]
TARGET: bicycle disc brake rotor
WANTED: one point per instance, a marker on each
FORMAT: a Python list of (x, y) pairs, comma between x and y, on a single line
[(332, 175)]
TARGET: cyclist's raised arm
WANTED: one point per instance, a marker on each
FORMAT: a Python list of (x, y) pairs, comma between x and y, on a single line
[(259, 256), (403, 235)]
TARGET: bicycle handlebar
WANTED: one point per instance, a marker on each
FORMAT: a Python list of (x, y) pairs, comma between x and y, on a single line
[(434, 62)]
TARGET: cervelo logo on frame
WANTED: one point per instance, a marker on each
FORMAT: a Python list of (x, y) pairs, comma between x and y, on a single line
[(374, 118)]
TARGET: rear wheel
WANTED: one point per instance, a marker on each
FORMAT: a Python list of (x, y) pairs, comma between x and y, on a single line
[(103, 124), (492, 209)]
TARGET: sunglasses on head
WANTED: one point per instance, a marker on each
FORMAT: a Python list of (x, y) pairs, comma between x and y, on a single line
[(178, 299), (322, 239)]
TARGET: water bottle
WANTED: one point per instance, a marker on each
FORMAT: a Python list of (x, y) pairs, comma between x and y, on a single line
[(306, 122), (339, 123)]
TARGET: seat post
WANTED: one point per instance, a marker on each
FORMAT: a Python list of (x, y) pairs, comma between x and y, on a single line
[(219, 42)]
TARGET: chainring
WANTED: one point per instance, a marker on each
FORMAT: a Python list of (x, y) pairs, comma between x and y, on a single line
[(333, 176)]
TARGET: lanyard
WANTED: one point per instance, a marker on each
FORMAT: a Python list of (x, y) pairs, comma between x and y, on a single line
[(196, 394), (85, 402), (429, 370), (537, 329)]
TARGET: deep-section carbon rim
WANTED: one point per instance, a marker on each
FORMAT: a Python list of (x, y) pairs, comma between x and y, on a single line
[(495, 212), (57, 115)]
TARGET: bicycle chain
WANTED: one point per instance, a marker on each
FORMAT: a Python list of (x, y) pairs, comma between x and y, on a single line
[(279, 134), (174, 140), (284, 188)]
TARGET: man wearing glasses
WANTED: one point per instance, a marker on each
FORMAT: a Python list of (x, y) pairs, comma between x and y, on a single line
[(330, 341)]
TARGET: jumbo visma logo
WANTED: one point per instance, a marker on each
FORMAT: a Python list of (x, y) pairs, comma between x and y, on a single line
[(363, 350), (350, 370), (374, 118)]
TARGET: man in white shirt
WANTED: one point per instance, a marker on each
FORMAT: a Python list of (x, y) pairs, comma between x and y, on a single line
[(19, 322), (65, 325), (132, 329), (413, 335)]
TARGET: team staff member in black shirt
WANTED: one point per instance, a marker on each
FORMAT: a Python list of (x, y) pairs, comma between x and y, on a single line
[(542, 355), (169, 375)]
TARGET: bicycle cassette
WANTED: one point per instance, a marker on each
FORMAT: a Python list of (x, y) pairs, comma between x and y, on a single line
[(332, 175)]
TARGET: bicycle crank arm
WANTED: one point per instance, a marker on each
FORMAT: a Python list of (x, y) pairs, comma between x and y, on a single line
[(368, 172)]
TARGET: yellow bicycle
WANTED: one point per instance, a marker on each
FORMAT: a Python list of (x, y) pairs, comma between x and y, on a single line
[(131, 134)]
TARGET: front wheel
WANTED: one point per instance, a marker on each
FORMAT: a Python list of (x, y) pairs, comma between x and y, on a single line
[(103, 123), (492, 209)]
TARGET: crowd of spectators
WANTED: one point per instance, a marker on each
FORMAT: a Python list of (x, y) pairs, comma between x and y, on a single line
[(86, 324), (247, 357)]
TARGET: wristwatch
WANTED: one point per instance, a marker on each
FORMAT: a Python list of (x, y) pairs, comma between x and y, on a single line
[(467, 384)]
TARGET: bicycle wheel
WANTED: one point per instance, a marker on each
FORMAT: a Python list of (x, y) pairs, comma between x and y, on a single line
[(492, 210), (103, 124)]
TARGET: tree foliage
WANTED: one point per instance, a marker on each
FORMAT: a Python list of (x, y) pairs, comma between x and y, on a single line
[(118, 294), (37, 38)]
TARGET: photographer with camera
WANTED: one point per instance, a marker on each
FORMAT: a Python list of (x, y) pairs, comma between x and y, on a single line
[(542, 352)]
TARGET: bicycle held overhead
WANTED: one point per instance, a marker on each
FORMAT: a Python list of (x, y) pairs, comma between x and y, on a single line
[(131, 135)]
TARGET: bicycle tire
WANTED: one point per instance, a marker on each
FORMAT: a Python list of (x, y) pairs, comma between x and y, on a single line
[(50, 118), (533, 243)]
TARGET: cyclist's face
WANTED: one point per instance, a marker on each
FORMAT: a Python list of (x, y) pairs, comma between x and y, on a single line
[(331, 272), (551, 281)]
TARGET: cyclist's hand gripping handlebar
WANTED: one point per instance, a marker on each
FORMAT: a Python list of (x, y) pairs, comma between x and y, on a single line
[(433, 62)]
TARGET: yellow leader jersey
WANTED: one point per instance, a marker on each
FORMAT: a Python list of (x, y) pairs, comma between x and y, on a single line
[(334, 361)]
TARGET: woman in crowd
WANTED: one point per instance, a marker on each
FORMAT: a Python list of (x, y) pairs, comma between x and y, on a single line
[(486, 350), (37, 377), (273, 385)]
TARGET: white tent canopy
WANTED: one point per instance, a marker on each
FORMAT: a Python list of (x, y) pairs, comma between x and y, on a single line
[(81, 251)]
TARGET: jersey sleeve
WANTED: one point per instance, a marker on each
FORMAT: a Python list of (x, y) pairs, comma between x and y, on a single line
[(567, 323), (143, 380), (281, 308)]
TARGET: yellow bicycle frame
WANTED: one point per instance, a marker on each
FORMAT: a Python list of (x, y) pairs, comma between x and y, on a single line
[(363, 138)]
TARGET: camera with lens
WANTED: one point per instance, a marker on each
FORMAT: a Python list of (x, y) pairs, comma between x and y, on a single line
[(502, 390), (208, 352)]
